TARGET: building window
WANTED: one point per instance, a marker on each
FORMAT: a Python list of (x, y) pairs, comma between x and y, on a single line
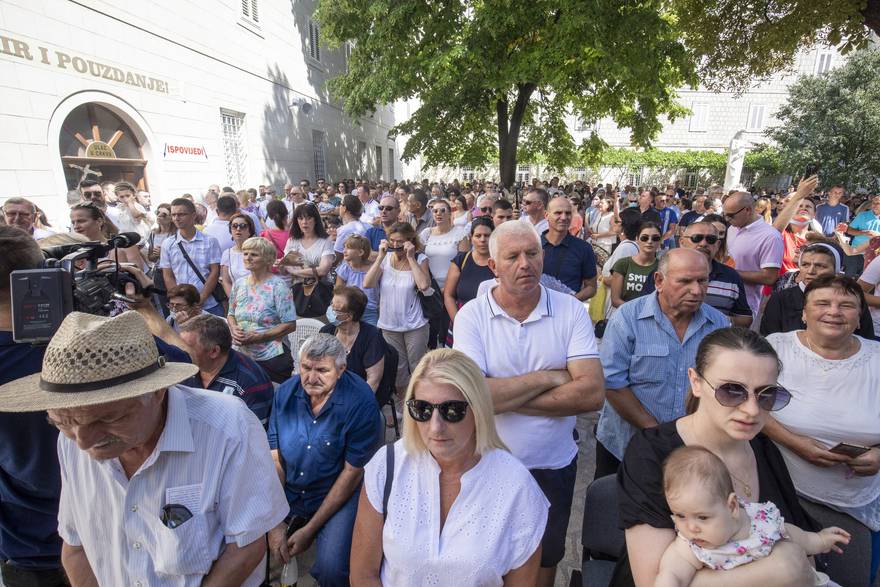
[(823, 62), (699, 117), (234, 149), (391, 164), (378, 162), (690, 179), (318, 154), (634, 177), (467, 173), (756, 118), (523, 174), (362, 157), (347, 48), (580, 173), (585, 126), (250, 11), (314, 40)]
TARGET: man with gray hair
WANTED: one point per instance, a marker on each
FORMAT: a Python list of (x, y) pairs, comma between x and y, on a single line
[(22, 213), (324, 427), (223, 369), (541, 377)]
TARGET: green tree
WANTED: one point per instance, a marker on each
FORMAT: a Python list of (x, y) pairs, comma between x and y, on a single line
[(833, 121), (738, 42), (488, 73)]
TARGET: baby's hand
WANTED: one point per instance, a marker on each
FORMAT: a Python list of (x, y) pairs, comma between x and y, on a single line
[(833, 536)]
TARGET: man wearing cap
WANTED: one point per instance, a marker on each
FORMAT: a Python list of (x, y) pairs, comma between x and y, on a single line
[(161, 483)]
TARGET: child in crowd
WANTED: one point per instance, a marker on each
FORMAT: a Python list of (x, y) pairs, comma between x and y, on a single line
[(718, 531)]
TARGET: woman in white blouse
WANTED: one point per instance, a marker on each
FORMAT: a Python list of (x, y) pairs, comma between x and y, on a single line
[(443, 241), (241, 227), (834, 380), (309, 238), (461, 509)]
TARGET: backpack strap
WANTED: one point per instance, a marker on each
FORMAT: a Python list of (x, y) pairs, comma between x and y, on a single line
[(389, 478)]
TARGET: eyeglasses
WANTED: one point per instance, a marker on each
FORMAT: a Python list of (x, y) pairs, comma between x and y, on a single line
[(710, 239), (452, 411), (654, 238), (529, 202), (732, 214), (486, 210), (93, 193), (770, 398), (238, 226), (386, 208), (177, 307)]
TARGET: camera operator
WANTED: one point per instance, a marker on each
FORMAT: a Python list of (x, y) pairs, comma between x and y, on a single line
[(30, 483)]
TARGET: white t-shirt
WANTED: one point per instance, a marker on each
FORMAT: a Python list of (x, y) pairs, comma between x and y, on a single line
[(557, 331), (345, 231), (625, 249), (370, 211), (126, 222), (603, 224), (399, 307), (234, 261), (541, 227), (832, 402), (441, 249), (319, 249), (219, 229), (495, 524), (872, 275)]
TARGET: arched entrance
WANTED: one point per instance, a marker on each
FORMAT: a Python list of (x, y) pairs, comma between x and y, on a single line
[(97, 143)]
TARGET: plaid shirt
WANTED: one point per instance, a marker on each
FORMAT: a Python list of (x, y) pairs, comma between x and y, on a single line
[(204, 250)]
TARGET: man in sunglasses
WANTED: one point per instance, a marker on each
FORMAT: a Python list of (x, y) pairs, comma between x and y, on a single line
[(541, 377), (388, 210), (649, 344), (534, 204), (755, 246), (726, 291)]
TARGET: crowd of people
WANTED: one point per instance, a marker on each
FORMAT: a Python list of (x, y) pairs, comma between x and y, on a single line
[(726, 341)]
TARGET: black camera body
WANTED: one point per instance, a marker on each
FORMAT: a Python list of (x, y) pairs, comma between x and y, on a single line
[(41, 298)]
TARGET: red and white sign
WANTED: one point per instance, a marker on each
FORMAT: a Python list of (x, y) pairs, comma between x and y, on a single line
[(185, 151)]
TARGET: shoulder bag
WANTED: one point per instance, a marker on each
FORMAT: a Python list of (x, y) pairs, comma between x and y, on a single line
[(219, 294)]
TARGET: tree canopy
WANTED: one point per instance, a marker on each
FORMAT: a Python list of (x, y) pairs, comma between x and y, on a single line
[(833, 121), (737, 43), (497, 79)]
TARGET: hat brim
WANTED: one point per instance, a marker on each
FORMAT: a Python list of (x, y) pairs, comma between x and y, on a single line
[(25, 394)]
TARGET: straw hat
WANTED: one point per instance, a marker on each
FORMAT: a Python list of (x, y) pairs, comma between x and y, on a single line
[(94, 360)]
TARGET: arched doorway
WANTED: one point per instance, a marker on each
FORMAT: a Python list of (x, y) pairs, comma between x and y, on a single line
[(96, 143)]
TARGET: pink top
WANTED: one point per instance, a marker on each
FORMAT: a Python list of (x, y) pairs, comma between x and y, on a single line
[(755, 247)]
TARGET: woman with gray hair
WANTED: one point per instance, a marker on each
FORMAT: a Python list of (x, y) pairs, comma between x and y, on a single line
[(261, 311), (450, 477)]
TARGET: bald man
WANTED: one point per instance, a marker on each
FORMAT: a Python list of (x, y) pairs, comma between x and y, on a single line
[(568, 259), (755, 246), (649, 345)]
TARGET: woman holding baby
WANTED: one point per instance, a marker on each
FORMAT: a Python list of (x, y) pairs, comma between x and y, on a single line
[(734, 386)]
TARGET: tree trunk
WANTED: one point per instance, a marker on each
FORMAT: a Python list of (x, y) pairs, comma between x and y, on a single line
[(509, 124), (871, 12)]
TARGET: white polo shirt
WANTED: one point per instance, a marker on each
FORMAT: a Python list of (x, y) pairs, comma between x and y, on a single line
[(541, 227), (557, 331), (212, 458)]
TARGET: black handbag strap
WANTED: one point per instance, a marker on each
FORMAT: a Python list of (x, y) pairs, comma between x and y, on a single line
[(190, 262), (389, 478)]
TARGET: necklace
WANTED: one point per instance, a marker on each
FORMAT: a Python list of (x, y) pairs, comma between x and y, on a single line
[(846, 350), (746, 488)]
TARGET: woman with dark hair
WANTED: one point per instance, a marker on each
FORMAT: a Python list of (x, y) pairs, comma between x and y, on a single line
[(633, 277), (830, 434), (733, 389), (308, 240), (232, 268), (469, 269), (90, 221), (461, 215), (276, 230)]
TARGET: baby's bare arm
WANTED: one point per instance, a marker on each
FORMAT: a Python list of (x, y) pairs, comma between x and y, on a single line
[(825, 540), (678, 566)]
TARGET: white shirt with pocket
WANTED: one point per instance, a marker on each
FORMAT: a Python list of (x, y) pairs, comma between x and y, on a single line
[(400, 309), (495, 524)]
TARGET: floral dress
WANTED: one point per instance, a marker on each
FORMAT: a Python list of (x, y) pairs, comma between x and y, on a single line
[(261, 307)]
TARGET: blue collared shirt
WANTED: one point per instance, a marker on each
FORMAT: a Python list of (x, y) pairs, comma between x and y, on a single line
[(571, 261), (242, 377), (641, 351), (315, 448), (375, 234), (203, 249)]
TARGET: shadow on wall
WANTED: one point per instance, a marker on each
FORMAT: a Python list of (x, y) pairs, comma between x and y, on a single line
[(280, 133)]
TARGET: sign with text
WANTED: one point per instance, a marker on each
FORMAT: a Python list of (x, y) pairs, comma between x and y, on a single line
[(184, 150), (44, 54)]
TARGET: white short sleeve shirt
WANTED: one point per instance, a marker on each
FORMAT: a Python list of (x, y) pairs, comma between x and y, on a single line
[(557, 331), (496, 523), (212, 457)]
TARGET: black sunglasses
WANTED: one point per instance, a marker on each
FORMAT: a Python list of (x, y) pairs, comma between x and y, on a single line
[(238, 226), (174, 515), (711, 239), (386, 208), (732, 214), (487, 209), (653, 238), (770, 398), (452, 411)]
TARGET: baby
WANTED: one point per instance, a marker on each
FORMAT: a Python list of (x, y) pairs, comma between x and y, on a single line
[(718, 531)]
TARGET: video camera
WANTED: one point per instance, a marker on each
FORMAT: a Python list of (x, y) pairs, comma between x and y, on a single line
[(41, 298)]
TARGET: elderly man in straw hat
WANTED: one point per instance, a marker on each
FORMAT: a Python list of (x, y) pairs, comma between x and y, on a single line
[(161, 484)]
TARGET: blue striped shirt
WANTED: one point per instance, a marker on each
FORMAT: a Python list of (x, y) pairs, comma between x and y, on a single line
[(641, 351)]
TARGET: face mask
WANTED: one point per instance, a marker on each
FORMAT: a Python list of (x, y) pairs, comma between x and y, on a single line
[(331, 316)]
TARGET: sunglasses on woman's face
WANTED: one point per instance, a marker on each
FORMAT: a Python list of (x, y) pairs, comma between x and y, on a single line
[(711, 239), (452, 411), (237, 226), (654, 238), (770, 398)]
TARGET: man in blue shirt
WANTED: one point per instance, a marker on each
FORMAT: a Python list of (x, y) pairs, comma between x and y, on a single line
[(389, 209), (832, 213), (649, 344), (863, 228), (568, 259), (324, 427), (223, 369), (668, 220)]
